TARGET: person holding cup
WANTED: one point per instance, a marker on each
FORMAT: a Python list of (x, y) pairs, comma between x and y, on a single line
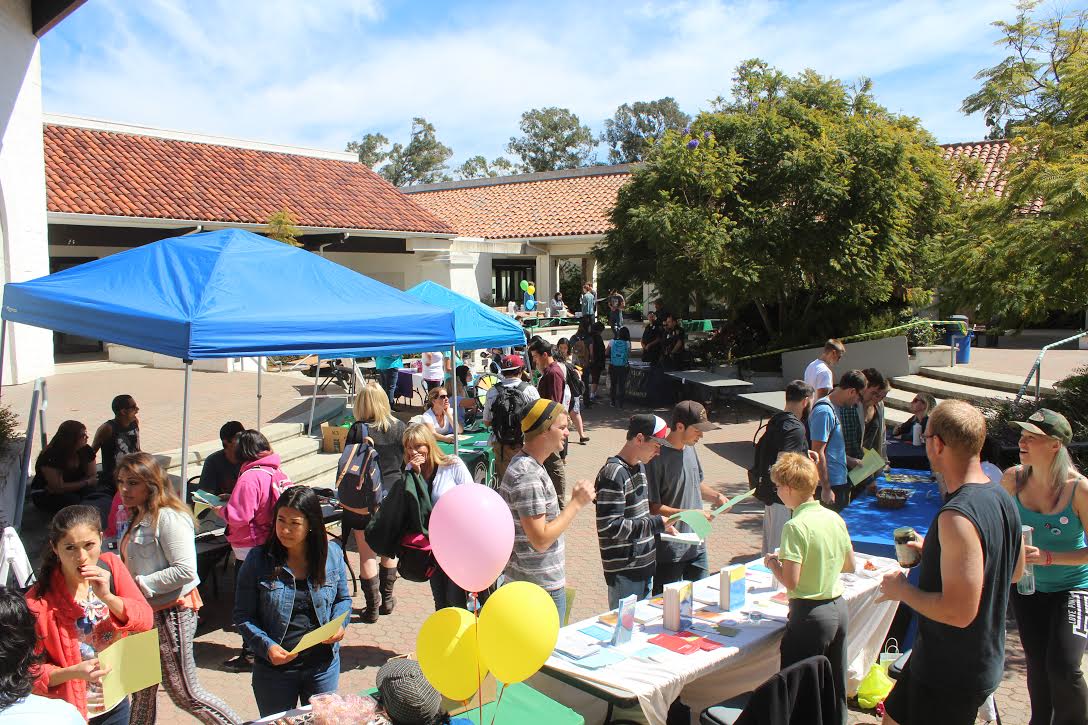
[(1052, 497), (84, 600)]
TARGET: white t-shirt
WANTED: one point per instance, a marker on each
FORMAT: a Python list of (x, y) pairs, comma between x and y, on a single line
[(432, 420), (529, 394), (818, 375), (433, 370), (34, 710), (448, 476)]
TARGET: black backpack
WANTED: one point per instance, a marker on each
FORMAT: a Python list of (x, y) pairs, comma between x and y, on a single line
[(359, 478), (506, 412), (767, 448), (574, 380)]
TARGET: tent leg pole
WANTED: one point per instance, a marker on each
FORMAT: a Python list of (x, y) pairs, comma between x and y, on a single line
[(313, 398), (453, 367), (3, 348), (185, 431), (260, 365)]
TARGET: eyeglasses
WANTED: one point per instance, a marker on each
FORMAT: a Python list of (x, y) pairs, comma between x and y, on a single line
[(927, 436)]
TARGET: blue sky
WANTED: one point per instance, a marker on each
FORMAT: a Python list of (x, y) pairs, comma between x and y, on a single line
[(320, 73)]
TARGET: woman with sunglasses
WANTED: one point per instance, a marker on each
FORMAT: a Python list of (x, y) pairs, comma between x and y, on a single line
[(84, 601), (1052, 497), (439, 416), (294, 583), (159, 550), (920, 408), (64, 472)]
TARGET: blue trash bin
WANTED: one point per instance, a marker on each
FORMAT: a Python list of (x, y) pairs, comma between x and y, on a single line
[(962, 342)]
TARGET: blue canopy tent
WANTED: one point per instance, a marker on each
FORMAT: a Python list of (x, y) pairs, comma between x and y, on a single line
[(227, 293), (475, 325)]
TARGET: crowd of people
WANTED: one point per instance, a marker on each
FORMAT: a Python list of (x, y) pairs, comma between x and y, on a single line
[(291, 578)]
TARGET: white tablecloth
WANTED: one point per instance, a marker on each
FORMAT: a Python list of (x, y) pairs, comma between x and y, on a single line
[(705, 678)]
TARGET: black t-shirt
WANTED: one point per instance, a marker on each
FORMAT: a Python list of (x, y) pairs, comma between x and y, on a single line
[(303, 620), (218, 475), (390, 447), (649, 334), (120, 443), (671, 337), (68, 472), (597, 343), (785, 434), (970, 659)]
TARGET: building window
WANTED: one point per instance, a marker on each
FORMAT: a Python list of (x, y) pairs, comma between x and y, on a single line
[(507, 276)]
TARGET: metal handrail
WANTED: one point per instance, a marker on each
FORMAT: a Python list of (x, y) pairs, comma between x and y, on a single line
[(1037, 368)]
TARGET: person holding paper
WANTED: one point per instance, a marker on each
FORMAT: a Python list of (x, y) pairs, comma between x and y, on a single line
[(159, 550), (84, 600), (676, 484), (295, 583), (815, 550), (18, 704)]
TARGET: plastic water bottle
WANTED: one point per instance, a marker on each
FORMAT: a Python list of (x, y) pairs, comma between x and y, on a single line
[(916, 434), (1026, 585), (122, 524), (94, 689)]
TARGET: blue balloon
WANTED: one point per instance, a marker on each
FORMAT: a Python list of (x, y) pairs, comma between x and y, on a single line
[(530, 304)]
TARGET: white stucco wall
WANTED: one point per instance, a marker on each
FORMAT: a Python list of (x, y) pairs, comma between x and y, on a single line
[(29, 351)]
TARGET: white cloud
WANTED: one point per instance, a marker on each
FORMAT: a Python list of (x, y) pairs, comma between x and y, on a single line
[(323, 73)]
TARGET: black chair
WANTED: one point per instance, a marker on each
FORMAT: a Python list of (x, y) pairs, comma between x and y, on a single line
[(800, 694)]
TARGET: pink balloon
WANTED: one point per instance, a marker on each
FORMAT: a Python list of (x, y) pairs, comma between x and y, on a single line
[(472, 535)]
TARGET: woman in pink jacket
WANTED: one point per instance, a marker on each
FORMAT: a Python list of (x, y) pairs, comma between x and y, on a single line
[(248, 513), (84, 601)]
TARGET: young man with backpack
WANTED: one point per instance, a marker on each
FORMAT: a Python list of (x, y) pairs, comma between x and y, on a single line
[(785, 433), (503, 409), (825, 430)]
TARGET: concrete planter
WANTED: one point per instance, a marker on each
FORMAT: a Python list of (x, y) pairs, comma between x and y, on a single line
[(930, 356)]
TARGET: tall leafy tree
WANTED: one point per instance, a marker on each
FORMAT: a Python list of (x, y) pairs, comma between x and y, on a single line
[(793, 194), (478, 167), (371, 149), (1024, 253), (635, 126), (422, 161), (553, 138)]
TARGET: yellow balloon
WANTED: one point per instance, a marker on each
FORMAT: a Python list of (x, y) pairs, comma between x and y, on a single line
[(448, 653), (531, 290), (518, 629)]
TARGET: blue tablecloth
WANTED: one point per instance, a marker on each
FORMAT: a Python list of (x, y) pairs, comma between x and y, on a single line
[(871, 527)]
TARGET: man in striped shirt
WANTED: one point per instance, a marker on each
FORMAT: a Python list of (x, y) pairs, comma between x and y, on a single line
[(625, 529)]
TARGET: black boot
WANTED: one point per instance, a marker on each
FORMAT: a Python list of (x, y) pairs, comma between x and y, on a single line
[(373, 599), (388, 577)]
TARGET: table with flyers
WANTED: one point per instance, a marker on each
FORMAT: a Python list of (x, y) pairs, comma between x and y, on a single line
[(636, 681)]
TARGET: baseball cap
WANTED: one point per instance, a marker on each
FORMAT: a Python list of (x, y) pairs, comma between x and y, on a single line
[(1047, 423), (650, 426), (692, 415), (407, 696), (511, 362)]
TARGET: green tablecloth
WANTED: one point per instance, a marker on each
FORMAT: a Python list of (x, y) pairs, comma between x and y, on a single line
[(479, 458), (697, 325), (549, 321), (521, 705)]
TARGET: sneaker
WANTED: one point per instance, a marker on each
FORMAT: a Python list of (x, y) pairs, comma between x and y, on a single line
[(583, 440), (241, 663)]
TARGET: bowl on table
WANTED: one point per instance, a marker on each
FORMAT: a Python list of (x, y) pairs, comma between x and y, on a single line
[(892, 498)]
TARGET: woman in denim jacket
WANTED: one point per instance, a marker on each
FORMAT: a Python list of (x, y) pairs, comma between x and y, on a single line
[(159, 550), (294, 583)]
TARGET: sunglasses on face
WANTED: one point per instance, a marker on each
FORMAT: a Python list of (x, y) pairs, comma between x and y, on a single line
[(441, 397)]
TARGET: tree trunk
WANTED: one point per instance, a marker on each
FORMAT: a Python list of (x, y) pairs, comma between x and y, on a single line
[(766, 319)]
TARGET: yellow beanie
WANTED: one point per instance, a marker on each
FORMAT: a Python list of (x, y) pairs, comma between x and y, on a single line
[(540, 416)]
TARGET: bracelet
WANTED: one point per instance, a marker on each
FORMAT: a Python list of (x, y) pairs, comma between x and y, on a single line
[(1049, 559)]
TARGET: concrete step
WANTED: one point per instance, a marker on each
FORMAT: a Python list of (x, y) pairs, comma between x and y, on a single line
[(966, 375), (315, 469), (773, 402), (900, 399), (942, 389)]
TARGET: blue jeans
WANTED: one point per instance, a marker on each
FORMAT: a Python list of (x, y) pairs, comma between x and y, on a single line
[(388, 378), (691, 570), (621, 585), (559, 596), (277, 689), (117, 716)]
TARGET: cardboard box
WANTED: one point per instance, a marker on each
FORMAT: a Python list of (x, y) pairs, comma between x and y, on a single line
[(333, 438)]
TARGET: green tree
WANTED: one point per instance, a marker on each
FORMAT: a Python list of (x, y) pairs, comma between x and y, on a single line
[(422, 161), (553, 138), (370, 149), (1019, 255), (635, 126), (283, 227), (797, 194), (478, 168)]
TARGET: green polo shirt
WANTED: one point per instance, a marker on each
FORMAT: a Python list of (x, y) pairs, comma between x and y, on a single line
[(816, 538)]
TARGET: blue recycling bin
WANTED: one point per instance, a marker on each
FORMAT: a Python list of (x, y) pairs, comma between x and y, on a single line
[(953, 336)]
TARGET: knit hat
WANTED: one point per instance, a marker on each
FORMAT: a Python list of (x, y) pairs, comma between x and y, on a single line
[(540, 416), (407, 696)]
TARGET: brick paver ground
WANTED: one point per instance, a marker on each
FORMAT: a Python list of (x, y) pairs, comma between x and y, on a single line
[(216, 397)]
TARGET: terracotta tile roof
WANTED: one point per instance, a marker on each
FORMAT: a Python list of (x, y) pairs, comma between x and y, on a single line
[(990, 154), (549, 207), (91, 171)]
